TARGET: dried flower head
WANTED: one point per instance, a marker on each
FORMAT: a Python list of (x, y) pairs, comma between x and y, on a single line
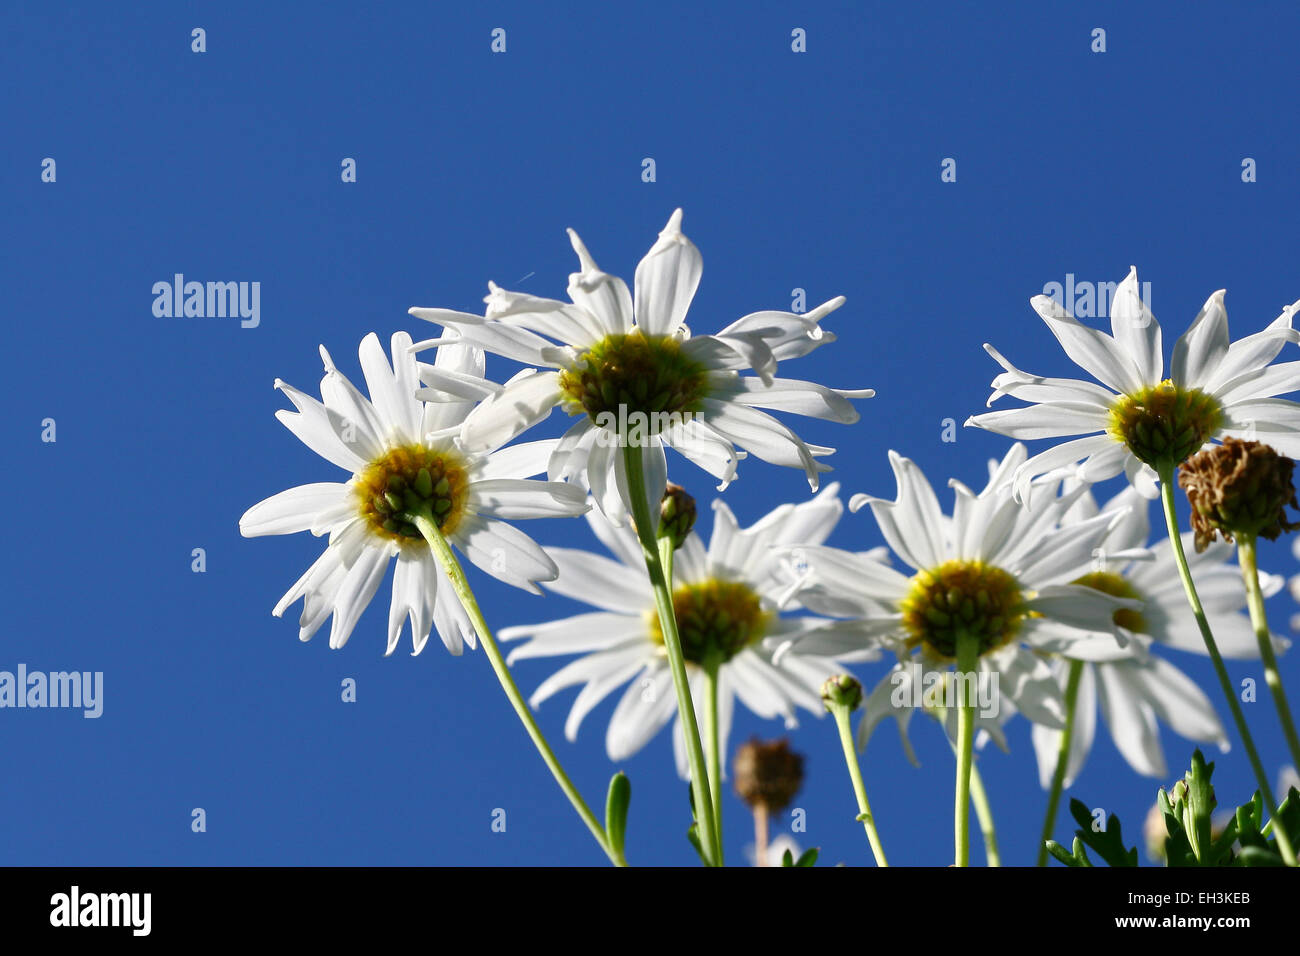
[(768, 773), (1239, 487)]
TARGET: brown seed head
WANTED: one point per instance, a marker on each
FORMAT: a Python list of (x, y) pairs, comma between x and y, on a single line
[(1239, 487)]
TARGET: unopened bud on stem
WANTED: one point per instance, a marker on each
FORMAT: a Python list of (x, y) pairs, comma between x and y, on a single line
[(842, 690), (676, 515)]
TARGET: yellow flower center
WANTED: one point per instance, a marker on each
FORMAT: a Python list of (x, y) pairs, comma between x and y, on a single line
[(1164, 423), (410, 479), (716, 620), (1108, 583), (962, 597), (635, 373)]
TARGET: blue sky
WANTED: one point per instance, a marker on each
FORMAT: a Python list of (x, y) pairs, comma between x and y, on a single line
[(817, 170)]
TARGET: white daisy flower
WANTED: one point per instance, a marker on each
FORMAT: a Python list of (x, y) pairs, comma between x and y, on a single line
[(1136, 419), (403, 454), (727, 599), (993, 570), (636, 375), (1133, 688)]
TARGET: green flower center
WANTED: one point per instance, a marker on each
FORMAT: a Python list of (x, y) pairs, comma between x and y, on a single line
[(716, 620), (411, 479), (1164, 423), (1116, 586), (962, 597), (635, 373)]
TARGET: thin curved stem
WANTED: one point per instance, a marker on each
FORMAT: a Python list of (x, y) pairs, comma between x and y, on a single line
[(841, 714), (978, 796), (714, 744), (1166, 473), (1259, 620), (652, 550), (984, 813), (456, 575), (967, 655), (1062, 759)]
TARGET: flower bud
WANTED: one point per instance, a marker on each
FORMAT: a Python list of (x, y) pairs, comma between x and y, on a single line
[(842, 690), (676, 515), (767, 774), (1239, 487)]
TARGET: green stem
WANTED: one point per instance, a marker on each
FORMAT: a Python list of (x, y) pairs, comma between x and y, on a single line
[(1166, 473), (1062, 759), (447, 559), (841, 714), (967, 655), (652, 550), (1255, 599), (984, 813), (978, 796), (711, 732)]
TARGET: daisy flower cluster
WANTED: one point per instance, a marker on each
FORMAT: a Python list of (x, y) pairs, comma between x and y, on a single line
[(1024, 597)]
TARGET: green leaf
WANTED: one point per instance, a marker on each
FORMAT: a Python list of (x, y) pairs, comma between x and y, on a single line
[(808, 858), (1257, 856), (1200, 807), (1061, 854), (1288, 816), (1247, 820), (1221, 849), (1178, 850), (1079, 853), (616, 804), (693, 834), (1108, 843), (787, 859)]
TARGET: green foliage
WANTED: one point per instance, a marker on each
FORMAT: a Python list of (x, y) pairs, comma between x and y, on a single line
[(1191, 840), (807, 858), (1107, 843), (616, 804)]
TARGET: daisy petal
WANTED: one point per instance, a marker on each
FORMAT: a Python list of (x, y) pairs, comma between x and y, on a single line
[(603, 296), (504, 552), (518, 406), (1093, 351), (1203, 347), (1136, 330), (666, 280), (520, 498), (293, 510)]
